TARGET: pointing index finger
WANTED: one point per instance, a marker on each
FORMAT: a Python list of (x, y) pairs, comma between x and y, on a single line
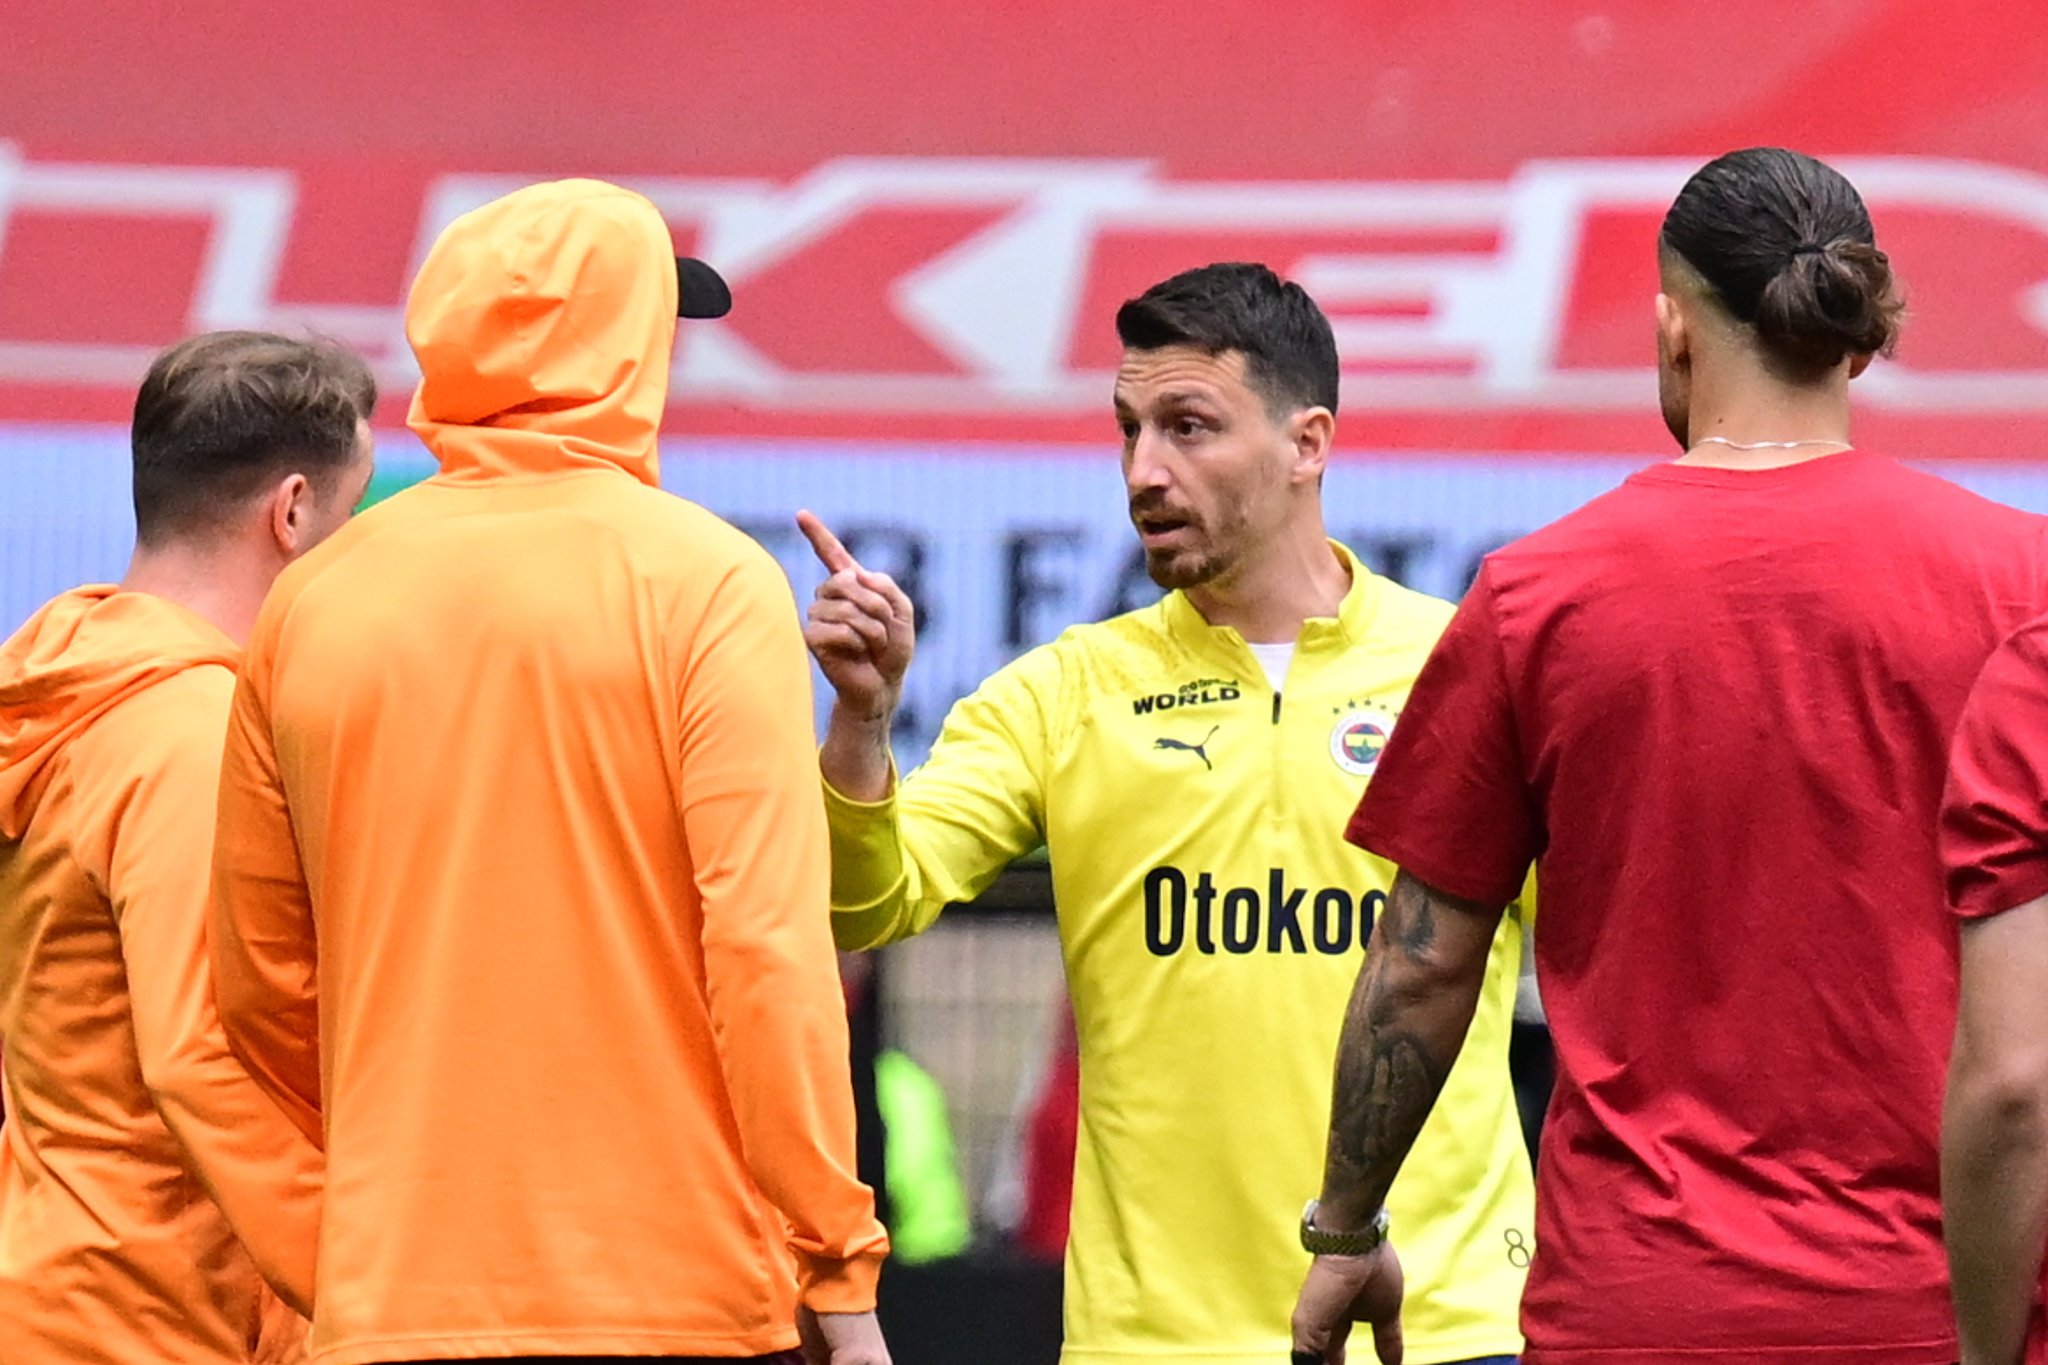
[(833, 555)]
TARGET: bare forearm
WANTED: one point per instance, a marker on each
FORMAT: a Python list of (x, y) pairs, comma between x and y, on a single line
[(1402, 1031), (855, 757), (1995, 1209)]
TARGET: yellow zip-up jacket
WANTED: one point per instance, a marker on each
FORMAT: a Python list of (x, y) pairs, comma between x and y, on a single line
[(1213, 920)]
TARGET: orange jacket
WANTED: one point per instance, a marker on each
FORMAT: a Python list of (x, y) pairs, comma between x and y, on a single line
[(521, 885), (112, 709)]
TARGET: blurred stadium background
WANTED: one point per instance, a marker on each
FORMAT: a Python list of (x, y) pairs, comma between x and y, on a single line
[(928, 213)]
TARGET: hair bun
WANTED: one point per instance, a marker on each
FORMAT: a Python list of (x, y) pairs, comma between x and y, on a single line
[(1830, 301)]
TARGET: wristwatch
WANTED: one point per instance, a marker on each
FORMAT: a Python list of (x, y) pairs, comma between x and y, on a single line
[(1317, 1242)]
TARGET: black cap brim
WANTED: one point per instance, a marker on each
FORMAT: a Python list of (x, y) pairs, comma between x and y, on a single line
[(700, 291)]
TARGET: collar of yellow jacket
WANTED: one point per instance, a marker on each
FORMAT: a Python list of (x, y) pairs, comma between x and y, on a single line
[(1346, 628), (543, 324)]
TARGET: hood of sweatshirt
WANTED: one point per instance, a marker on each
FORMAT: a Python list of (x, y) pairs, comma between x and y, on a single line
[(82, 654), (543, 323)]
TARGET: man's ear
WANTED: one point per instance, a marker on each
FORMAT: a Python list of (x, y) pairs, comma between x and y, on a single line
[(1313, 431), (1674, 331), (291, 507)]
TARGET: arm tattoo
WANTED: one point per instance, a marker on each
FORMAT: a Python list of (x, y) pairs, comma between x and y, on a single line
[(1410, 917), (1401, 1034)]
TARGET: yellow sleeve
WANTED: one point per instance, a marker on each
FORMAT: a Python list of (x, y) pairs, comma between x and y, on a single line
[(968, 811), (261, 1170)]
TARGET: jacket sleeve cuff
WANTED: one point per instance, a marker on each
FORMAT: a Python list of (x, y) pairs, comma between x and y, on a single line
[(867, 855), (836, 1286)]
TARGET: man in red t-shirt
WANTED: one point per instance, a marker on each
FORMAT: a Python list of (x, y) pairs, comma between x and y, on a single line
[(1714, 707), (1994, 1142)]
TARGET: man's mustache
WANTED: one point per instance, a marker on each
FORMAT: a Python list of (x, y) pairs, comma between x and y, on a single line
[(1159, 509)]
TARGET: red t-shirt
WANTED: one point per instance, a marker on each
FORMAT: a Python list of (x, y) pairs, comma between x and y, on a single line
[(1995, 815), (1714, 707)]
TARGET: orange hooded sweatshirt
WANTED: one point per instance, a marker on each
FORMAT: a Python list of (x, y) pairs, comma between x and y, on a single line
[(520, 897), (112, 710)]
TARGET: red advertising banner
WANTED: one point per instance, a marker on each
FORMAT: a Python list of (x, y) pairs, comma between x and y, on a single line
[(929, 212)]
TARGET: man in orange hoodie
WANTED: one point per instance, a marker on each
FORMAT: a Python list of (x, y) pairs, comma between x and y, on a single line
[(529, 743), (125, 1110)]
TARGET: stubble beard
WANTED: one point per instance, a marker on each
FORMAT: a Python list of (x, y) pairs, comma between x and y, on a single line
[(1186, 568)]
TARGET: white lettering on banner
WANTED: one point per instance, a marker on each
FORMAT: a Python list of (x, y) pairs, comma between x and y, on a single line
[(959, 285), (250, 212), (1000, 553)]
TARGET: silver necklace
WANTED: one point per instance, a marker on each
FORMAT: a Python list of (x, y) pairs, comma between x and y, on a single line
[(1761, 445)]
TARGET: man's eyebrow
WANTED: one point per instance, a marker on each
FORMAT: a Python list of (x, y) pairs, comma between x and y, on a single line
[(1179, 395)]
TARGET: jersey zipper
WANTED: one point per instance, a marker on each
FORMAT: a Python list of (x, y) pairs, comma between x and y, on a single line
[(1276, 824)]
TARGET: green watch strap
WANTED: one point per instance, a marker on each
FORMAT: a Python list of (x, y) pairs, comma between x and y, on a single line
[(1317, 1242)]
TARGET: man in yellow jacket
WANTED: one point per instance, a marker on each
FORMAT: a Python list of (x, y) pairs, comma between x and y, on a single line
[(1186, 766), (130, 1128)]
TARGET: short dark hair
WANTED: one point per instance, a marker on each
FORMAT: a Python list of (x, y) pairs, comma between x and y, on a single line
[(1786, 244), (222, 414), (1290, 355)]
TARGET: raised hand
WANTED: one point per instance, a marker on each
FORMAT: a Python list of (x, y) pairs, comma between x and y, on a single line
[(861, 628)]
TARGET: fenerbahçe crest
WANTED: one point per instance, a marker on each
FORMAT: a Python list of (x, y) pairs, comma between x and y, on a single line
[(1359, 737)]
